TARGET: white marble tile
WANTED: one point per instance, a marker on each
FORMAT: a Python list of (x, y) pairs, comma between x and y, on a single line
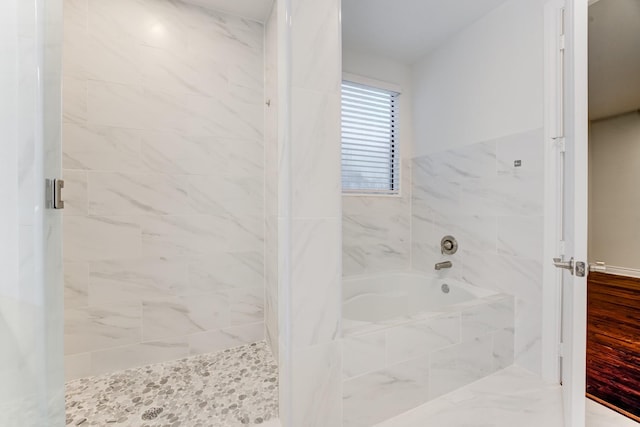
[(112, 57), (228, 195), (136, 279), (120, 358), (315, 154), (246, 305), (74, 95), (118, 18), (317, 385), (94, 147), (521, 236), (364, 353), (503, 348), (315, 297), (119, 105), (521, 194), (75, 192), (226, 270), (484, 319), (439, 195), (601, 416), (76, 284), (459, 365), (100, 238), (95, 328), (225, 118), (176, 236), (77, 366), (178, 316), (316, 45), (417, 339), (182, 72), (510, 397), (138, 194), (375, 397), (165, 25), (460, 164), (75, 32), (207, 342)]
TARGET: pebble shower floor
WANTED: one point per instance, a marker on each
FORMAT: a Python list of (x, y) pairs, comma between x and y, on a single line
[(236, 387)]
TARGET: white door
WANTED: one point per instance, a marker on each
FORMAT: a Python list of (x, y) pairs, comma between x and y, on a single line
[(567, 200)]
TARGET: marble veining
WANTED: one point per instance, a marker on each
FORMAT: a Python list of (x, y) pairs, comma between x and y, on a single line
[(494, 209), (235, 387)]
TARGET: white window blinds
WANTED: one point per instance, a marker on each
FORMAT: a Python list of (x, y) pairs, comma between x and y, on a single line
[(370, 160)]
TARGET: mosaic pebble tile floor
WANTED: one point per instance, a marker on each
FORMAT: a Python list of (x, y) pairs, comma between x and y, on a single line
[(236, 387)]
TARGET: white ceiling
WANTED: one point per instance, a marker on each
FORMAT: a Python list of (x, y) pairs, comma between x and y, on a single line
[(256, 10), (407, 30), (614, 57)]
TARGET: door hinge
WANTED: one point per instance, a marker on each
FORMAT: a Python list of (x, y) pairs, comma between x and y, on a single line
[(561, 42), (560, 143), (53, 189)]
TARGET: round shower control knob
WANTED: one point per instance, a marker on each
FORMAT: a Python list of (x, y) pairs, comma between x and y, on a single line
[(449, 245)]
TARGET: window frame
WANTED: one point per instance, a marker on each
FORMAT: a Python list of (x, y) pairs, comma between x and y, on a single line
[(396, 153)]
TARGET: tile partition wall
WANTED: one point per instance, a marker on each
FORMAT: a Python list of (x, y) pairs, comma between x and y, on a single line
[(494, 209), (163, 161), (310, 216)]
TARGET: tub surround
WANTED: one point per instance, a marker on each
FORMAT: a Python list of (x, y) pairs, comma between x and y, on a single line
[(494, 209), (398, 363), (163, 161)]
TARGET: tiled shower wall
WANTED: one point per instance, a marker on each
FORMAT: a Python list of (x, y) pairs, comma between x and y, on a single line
[(494, 209), (163, 161)]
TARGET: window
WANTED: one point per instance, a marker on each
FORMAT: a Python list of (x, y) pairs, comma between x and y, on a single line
[(370, 160)]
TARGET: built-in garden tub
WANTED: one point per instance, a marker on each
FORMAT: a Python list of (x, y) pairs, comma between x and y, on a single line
[(411, 337)]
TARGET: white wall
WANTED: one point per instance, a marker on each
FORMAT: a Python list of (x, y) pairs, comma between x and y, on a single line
[(164, 165), (614, 204), (484, 83), (478, 107), (376, 229)]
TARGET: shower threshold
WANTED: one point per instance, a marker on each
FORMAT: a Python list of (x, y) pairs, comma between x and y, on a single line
[(235, 387)]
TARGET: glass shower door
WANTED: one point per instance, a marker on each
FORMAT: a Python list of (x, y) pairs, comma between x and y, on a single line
[(31, 293)]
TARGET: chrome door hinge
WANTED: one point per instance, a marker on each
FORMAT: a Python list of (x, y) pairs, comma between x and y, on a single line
[(560, 143), (54, 193)]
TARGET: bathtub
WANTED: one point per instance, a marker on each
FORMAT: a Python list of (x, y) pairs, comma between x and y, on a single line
[(411, 337), (400, 296)]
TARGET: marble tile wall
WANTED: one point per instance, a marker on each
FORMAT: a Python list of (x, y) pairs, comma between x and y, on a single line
[(310, 215), (393, 370), (494, 209), (376, 231), (163, 159)]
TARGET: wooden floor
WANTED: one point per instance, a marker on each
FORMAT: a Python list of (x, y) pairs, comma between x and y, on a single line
[(613, 342)]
